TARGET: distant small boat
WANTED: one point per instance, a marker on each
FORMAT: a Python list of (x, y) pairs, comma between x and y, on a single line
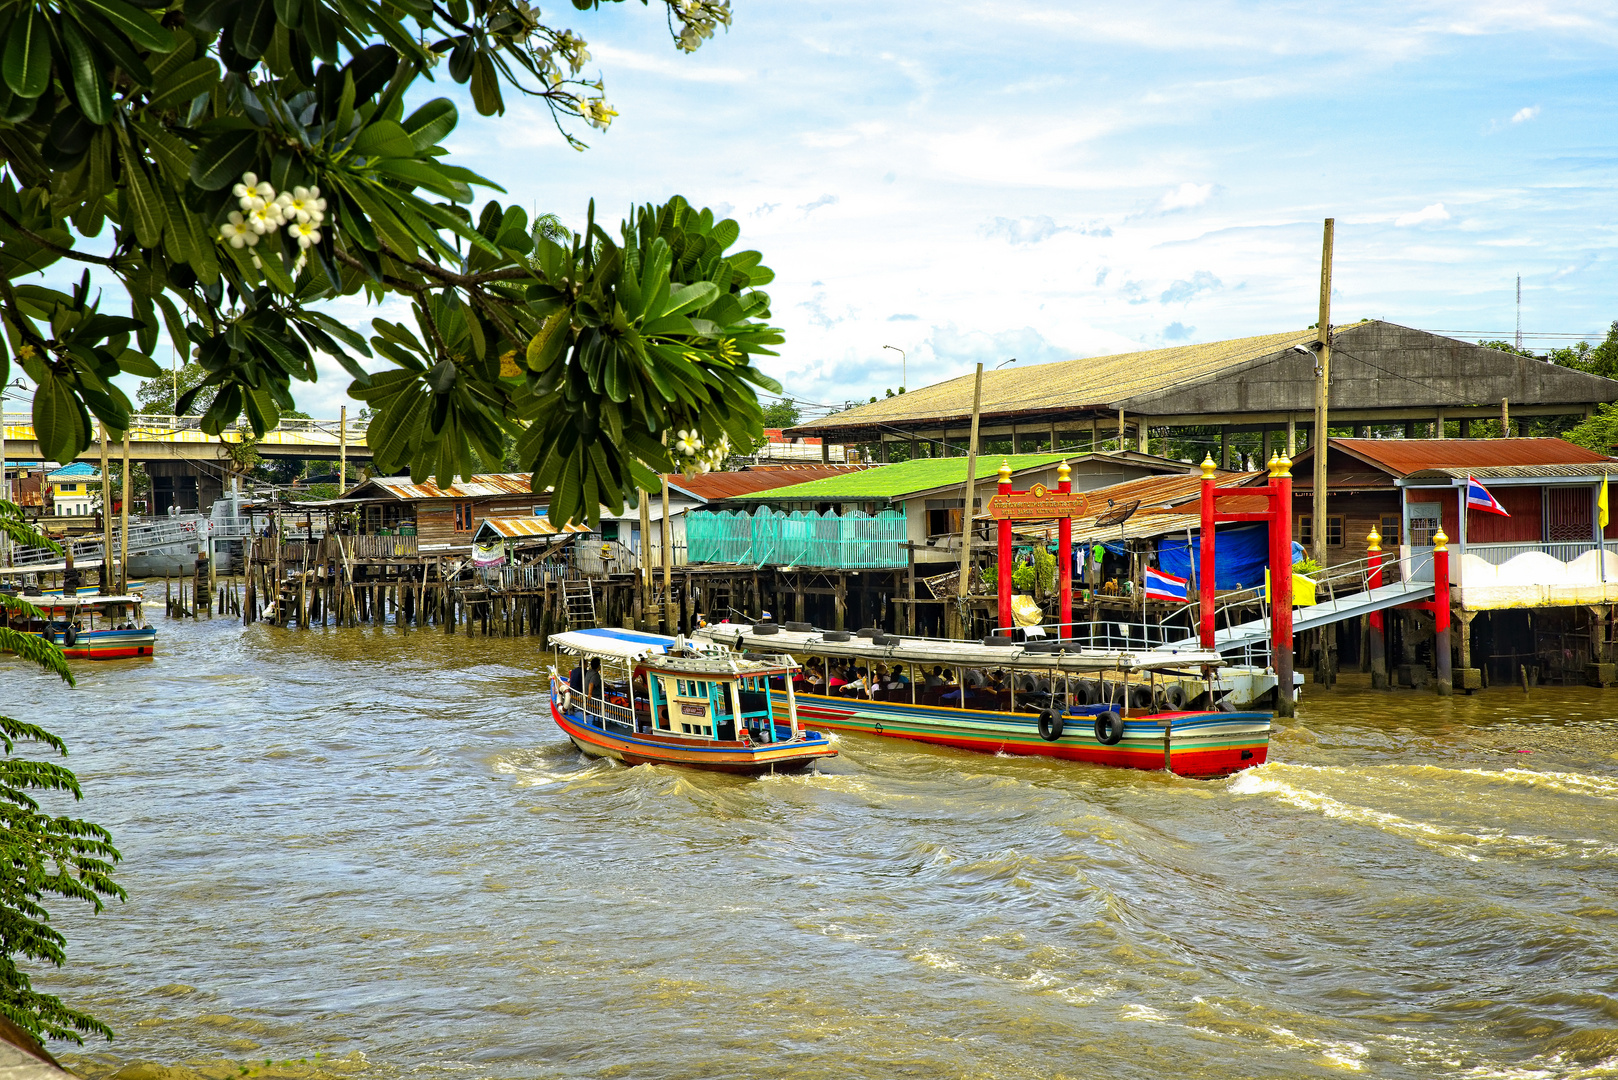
[(92, 627), (661, 701)]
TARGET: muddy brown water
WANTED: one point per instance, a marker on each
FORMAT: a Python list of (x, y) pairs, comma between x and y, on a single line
[(369, 853)]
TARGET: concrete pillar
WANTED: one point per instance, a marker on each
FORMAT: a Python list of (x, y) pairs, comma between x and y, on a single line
[(1466, 427), (1438, 424), (1014, 446), (1265, 441), (1143, 435), (1292, 437), (1054, 443), (1224, 446)]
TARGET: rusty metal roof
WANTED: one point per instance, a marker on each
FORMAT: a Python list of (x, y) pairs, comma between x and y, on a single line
[(513, 528), (1584, 471), (478, 486), (1402, 457), (716, 486)]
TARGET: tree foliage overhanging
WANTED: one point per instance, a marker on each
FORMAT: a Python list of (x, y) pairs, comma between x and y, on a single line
[(235, 164), (41, 855)]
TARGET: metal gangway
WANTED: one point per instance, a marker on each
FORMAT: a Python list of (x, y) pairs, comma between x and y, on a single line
[(143, 537), (1348, 595)]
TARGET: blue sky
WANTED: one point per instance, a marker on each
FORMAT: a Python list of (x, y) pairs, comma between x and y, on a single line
[(977, 181)]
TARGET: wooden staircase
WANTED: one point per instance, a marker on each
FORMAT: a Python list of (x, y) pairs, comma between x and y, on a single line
[(580, 600)]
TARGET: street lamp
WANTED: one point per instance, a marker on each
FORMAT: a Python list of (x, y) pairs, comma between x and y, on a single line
[(904, 375), (1003, 363)]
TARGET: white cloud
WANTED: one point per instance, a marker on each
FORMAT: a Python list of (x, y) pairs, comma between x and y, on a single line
[(1525, 114), (674, 66), (1435, 212), (1185, 196)]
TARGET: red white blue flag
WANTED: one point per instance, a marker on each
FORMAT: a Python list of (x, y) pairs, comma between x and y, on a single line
[(1161, 586), (1478, 498)]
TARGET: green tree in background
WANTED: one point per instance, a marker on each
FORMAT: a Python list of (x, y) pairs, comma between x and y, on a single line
[(238, 163), (1600, 359), (782, 414), (157, 396), (42, 857)]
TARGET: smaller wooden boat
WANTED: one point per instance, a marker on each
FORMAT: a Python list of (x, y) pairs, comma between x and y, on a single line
[(91, 627), (650, 699)]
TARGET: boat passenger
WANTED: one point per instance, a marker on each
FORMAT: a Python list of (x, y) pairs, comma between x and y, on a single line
[(835, 680), (935, 679), (592, 679), (575, 678), (812, 678)]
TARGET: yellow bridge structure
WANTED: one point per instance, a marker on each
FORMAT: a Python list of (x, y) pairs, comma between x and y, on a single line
[(181, 438)]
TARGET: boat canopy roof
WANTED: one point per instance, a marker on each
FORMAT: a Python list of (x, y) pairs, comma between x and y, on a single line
[(84, 600), (920, 650), (607, 641), (724, 665)]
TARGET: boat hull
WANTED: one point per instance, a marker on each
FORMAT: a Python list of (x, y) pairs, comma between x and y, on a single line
[(729, 757), (106, 644), (1196, 744)]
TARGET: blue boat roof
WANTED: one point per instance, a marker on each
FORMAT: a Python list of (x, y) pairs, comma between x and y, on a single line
[(613, 641)]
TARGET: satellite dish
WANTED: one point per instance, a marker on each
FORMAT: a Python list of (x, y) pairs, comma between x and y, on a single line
[(1117, 515)]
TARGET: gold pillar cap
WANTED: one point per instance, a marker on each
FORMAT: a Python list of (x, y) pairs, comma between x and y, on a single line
[(1208, 467), (1440, 541), (1063, 471), (1275, 464), (1005, 471), (1285, 466), (1374, 541)]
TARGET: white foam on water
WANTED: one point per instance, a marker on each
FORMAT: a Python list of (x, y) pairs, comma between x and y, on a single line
[(1458, 842), (936, 960), (1144, 1013), (1339, 1052)]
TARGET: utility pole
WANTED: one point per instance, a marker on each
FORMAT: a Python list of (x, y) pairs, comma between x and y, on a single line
[(123, 527), (342, 450), (968, 488), (106, 518), (1322, 394), (1519, 313)]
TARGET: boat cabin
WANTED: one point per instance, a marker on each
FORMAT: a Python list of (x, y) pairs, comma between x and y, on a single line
[(720, 705)]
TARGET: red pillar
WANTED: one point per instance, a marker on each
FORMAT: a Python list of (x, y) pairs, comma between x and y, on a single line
[(1446, 679), (1205, 555), (1064, 559), (1003, 535), (1378, 643), (1280, 489)]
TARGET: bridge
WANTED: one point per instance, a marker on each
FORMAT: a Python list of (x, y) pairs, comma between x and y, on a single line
[(143, 537), (1351, 595), (181, 438)]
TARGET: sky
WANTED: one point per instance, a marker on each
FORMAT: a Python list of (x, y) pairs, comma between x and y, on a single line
[(973, 182)]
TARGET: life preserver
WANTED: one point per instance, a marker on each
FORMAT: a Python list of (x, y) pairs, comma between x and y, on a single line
[(1109, 728), (1050, 725)]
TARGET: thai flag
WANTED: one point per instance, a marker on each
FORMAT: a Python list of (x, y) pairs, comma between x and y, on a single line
[(1478, 498), (1161, 586)]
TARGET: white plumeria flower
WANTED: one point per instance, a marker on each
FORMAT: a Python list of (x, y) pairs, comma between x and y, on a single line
[(304, 205), (687, 443), (249, 182), (263, 220), (235, 231), (305, 233)]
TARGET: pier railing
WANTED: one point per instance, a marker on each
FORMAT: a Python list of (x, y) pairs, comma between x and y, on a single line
[(143, 536)]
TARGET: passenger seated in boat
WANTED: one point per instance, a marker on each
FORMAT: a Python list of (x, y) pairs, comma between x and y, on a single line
[(859, 686), (813, 679), (835, 680), (592, 679), (936, 678), (575, 678)]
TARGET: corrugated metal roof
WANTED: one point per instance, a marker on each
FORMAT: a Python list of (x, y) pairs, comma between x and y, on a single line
[(715, 486), (1603, 467), (1404, 456), (1066, 384), (904, 478), (513, 528), (481, 485), (1168, 504)]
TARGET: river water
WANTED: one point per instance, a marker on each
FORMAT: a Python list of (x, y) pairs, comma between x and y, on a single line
[(368, 853)]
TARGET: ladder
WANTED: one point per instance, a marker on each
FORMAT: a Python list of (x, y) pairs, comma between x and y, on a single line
[(580, 599)]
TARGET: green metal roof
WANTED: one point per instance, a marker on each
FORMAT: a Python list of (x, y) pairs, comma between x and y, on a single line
[(902, 478)]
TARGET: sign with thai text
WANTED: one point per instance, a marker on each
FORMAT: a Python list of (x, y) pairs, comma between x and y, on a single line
[(1039, 501)]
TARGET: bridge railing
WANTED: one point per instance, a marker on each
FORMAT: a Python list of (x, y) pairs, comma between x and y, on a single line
[(162, 423), (143, 536)]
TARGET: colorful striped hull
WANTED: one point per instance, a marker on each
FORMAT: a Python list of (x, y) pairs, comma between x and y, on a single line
[(731, 757), (107, 644), (1198, 744)]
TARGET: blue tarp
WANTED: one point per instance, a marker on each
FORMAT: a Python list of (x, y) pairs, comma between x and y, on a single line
[(1241, 555)]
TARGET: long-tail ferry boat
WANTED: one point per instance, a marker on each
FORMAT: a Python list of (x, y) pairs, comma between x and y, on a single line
[(650, 699), (1119, 703), (91, 627)]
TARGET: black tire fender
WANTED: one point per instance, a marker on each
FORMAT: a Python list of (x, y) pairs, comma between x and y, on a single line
[(1050, 725), (1109, 728), (70, 638), (1087, 692), (1174, 696)]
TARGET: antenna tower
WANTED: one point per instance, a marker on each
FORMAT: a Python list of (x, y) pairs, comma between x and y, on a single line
[(1519, 313)]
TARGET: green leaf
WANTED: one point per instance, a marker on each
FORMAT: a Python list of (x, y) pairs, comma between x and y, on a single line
[(428, 125), (136, 25), (60, 420), (221, 161), (486, 86), (143, 199), (137, 364), (255, 24), (185, 83), (423, 174), (384, 138), (89, 81), (27, 60)]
